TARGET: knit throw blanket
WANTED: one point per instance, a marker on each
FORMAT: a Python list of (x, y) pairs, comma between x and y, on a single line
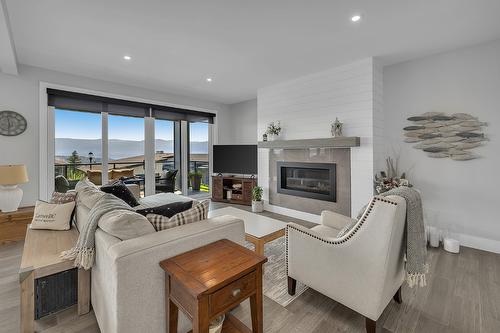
[(84, 251), (416, 250)]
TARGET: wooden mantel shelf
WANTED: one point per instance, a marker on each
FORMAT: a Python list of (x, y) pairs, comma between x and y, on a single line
[(338, 142)]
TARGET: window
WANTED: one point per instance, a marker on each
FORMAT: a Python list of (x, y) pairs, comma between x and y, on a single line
[(109, 138), (126, 150), (77, 147)]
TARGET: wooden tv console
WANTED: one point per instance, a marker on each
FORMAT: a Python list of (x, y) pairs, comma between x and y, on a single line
[(221, 185)]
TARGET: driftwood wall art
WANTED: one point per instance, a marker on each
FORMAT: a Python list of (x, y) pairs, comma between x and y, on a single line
[(446, 136)]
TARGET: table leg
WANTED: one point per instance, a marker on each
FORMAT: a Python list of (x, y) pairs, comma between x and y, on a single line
[(259, 247), (83, 291), (173, 313), (27, 303), (171, 310), (200, 318), (256, 305)]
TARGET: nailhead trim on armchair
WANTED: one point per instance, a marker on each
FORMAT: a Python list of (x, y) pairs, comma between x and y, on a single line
[(342, 239)]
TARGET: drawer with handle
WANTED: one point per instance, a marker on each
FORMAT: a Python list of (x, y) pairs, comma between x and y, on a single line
[(232, 294)]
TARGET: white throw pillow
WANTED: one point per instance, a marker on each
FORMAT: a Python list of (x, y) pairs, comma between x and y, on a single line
[(87, 193), (52, 216), (125, 224)]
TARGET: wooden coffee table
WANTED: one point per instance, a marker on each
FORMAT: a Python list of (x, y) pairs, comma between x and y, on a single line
[(259, 229), (209, 281)]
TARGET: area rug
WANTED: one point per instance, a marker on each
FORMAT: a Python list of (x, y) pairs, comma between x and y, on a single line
[(275, 279)]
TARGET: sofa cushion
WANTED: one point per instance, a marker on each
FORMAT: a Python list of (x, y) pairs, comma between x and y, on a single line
[(87, 193), (197, 213), (167, 210), (52, 216), (125, 224), (120, 190)]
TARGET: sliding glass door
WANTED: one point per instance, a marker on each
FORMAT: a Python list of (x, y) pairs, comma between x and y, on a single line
[(198, 159), (167, 157)]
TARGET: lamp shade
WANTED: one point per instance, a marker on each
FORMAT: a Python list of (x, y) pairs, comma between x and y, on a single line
[(13, 174)]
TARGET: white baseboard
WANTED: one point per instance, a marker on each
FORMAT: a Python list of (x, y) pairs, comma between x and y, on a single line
[(480, 243), (293, 213)]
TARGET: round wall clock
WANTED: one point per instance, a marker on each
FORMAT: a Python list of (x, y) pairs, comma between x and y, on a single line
[(12, 123)]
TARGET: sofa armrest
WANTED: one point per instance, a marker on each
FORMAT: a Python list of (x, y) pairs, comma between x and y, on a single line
[(335, 220)]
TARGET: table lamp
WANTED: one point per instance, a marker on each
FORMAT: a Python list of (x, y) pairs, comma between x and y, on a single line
[(10, 194)]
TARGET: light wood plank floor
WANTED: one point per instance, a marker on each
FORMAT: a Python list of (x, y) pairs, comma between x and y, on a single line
[(463, 295)]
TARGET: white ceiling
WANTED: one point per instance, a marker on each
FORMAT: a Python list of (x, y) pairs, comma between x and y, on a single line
[(242, 44)]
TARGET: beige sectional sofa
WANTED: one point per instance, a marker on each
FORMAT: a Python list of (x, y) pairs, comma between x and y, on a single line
[(128, 285)]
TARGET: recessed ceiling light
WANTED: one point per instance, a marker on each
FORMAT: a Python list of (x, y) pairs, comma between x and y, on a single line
[(127, 57), (209, 79), (356, 18)]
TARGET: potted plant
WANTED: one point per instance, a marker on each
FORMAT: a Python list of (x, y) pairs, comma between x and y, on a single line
[(257, 203), (273, 130), (195, 180)]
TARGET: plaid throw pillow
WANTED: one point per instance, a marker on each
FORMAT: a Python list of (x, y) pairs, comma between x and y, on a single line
[(61, 198), (197, 213)]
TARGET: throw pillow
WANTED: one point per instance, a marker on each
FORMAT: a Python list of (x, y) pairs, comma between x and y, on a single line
[(52, 216), (125, 224), (60, 198), (167, 210), (87, 193), (160, 222), (120, 190), (197, 213)]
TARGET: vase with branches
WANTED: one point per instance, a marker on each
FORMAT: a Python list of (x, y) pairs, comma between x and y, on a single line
[(390, 178)]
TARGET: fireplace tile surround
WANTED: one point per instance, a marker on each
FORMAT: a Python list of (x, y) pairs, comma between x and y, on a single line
[(340, 157)]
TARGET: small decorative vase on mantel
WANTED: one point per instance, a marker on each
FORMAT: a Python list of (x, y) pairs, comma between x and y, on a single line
[(272, 137), (273, 131)]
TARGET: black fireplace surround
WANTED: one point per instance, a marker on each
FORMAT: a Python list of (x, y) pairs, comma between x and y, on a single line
[(308, 180)]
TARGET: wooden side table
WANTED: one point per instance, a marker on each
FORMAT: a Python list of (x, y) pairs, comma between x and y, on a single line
[(13, 224), (41, 257), (211, 280)]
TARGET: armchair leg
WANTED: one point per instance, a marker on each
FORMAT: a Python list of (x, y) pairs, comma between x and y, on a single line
[(292, 283), (398, 297), (371, 325)]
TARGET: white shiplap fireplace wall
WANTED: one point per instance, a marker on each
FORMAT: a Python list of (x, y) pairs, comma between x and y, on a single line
[(306, 107)]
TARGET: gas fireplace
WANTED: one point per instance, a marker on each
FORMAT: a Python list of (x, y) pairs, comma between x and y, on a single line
[(309, 180)]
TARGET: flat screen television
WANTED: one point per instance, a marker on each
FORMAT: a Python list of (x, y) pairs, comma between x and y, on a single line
[(235, 159)]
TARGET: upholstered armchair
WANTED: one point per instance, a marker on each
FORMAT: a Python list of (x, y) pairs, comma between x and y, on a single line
[(364, 268)]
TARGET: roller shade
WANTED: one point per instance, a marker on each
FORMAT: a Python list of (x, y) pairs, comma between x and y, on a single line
[(69, 100)]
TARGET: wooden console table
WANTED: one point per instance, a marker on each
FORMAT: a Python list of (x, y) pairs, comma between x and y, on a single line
[(210, 281), (241, 195), (13, 224), (41, 257)]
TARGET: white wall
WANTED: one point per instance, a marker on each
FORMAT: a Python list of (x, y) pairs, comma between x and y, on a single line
[(239, 123), (308, 105), (458, 195), (20, 94)]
